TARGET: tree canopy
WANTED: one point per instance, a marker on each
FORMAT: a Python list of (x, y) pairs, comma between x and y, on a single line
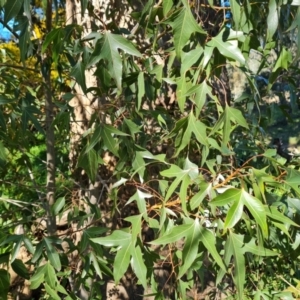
[(136, 152)]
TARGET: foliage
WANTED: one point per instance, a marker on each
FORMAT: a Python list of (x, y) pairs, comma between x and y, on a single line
[(207, 199)]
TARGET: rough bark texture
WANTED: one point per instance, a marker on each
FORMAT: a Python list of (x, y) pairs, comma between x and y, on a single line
[(50, 138)]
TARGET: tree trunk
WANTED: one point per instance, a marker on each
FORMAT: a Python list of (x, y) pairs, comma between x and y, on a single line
[(50, 139)]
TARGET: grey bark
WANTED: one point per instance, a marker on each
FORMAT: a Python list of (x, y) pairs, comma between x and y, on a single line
[(50, 138)]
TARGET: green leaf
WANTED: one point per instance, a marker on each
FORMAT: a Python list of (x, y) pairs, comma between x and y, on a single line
[(50, 275), (235, 9), (95, 138), (141, 90), (138, 266), (257, 210), (53, 36), (28, 114), (208, 52), (38, 251), (4, 100), (183, 137), (133, 128), (167, 5), (25, 42), (190, 58), (16, 249), (140, 197), (136, 225), (109, 141), (89, 162), (228, 48), (228, 196), (114, 130), (190, 249), (209, 241), (4, 258), (11, 9), (183, 193), (110, 52), (236, 116), (229, 115), (58, 205), (183, 26), (239, 262), (38, 277), (274, 213), (4, 284), (117, 238), (181, 89), (19, 267), (293, 180), (51, 292), (176, 233), (199, 130), (196, 200), (78, 72), (201, 91), (296, 24), (192, 168), (122, 261), (256, 249), (234, 214), (52, 254), (180, 174), (272, 19), (139, 165), (94, 261), (2, 154), (270, 153)]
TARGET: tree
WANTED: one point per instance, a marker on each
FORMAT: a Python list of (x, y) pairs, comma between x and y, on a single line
[(172, 184)]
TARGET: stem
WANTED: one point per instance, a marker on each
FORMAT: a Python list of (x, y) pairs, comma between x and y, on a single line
[(10, 29)]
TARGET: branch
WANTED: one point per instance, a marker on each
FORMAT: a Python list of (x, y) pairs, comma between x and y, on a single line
[(9, 28), (19, 67)]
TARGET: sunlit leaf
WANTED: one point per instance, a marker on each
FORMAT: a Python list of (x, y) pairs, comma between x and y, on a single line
[(239, 276), (122, 261), (175, 234), (117, 238), (257, 210), (209, 241), (139, 266), (190, 249)]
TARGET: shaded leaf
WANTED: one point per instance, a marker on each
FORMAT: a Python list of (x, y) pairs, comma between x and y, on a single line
[(183, 26), (110, 52), (52, 254), (19, 267), (11, 9), (78, 72), (4, 284)]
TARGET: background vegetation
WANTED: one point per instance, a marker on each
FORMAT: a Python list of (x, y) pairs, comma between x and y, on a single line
[(135, 150)]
